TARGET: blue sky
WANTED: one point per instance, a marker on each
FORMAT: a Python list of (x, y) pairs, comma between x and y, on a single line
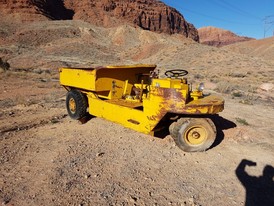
[(243, 17)]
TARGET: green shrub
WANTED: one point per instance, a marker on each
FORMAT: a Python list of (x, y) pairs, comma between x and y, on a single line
[(4, 65), (225, 87), (242, 121), (237, 94)]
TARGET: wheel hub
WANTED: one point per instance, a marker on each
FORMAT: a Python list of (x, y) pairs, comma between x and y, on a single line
[(196, 135), (72, 105)]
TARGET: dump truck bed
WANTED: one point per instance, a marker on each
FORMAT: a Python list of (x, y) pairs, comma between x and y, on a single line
[(100, 79)]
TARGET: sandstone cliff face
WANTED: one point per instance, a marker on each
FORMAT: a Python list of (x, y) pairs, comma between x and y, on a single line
[(31, 10), (150, 15), (218, 37)]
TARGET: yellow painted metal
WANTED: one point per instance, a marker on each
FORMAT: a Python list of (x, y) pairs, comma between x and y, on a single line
[(212, 104), (108, 82), (72, 105), (78, 78), (195, 135), (131, 66), (127, 95), (125, 88), (168, 83), (196, 94), (127, 116)]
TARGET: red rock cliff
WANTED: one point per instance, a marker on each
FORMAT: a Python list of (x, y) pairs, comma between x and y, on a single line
[(151, 15), (219, 37), (31, 10)]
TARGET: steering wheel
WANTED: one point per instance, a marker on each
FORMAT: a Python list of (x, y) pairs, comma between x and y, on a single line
[(176, 73)]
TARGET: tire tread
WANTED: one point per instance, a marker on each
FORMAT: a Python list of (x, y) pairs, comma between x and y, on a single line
[(81, 104)]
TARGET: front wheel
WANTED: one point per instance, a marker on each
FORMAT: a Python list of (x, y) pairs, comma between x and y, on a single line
[(76, 103), (193, 134)]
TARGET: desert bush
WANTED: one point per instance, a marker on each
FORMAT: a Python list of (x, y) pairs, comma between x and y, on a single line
[(225, 87), (23, 100), (198, 76), (5, 103), (4, 65), (237, 74), (246, 101), (237, 94), (242, 121)]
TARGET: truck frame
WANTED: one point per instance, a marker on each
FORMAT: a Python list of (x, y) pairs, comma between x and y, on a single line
[(135, 97)]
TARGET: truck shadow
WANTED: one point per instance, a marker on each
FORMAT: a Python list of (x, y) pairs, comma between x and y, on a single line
[(221, 125), (259, 190), (85, 119)]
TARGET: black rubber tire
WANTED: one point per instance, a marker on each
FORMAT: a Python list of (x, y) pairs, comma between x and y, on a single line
[(179, 131), (79, 110)]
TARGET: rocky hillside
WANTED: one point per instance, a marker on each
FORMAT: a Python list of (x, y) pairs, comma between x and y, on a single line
[(263, 48), (219, 37), (150, 15), (31, 10)]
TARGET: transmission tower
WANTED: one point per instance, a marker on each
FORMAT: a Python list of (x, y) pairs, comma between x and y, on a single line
[(268, 23)]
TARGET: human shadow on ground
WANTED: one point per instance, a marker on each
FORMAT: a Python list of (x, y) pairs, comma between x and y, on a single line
[(259, 190)]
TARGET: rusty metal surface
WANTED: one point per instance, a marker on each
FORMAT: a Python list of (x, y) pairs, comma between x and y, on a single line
[(173, 100)]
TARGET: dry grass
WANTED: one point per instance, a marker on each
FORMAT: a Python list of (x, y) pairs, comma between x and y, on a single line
[(26, 101), (242, 121), (225, 87)]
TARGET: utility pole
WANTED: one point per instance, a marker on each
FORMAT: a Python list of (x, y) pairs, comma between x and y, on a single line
[(268, 23)]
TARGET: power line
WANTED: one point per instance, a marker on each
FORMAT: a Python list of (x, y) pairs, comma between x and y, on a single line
[(244, 12), (233, 8), (253, 20), (215, 18), (267, 17), (211, 17)]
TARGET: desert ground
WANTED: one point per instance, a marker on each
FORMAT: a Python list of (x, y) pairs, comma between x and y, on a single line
[(49, 159)]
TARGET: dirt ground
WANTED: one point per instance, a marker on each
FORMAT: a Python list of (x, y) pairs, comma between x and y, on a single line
[(49, 159)]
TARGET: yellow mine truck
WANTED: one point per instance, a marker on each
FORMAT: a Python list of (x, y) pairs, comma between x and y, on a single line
[(135, 97)]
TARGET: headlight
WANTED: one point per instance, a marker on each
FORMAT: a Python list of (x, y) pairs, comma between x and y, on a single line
[(201, 87)]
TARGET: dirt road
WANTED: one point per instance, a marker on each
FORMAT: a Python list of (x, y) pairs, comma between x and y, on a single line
[(48, 159)]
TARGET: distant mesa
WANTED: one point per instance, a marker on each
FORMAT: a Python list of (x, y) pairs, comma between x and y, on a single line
[(150, 15), (219, 37)]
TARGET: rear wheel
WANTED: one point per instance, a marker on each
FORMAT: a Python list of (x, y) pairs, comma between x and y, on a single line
[(76, 103), (193, 134)]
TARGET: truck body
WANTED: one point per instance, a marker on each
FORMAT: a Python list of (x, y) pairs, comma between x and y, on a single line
[(135, 97)]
